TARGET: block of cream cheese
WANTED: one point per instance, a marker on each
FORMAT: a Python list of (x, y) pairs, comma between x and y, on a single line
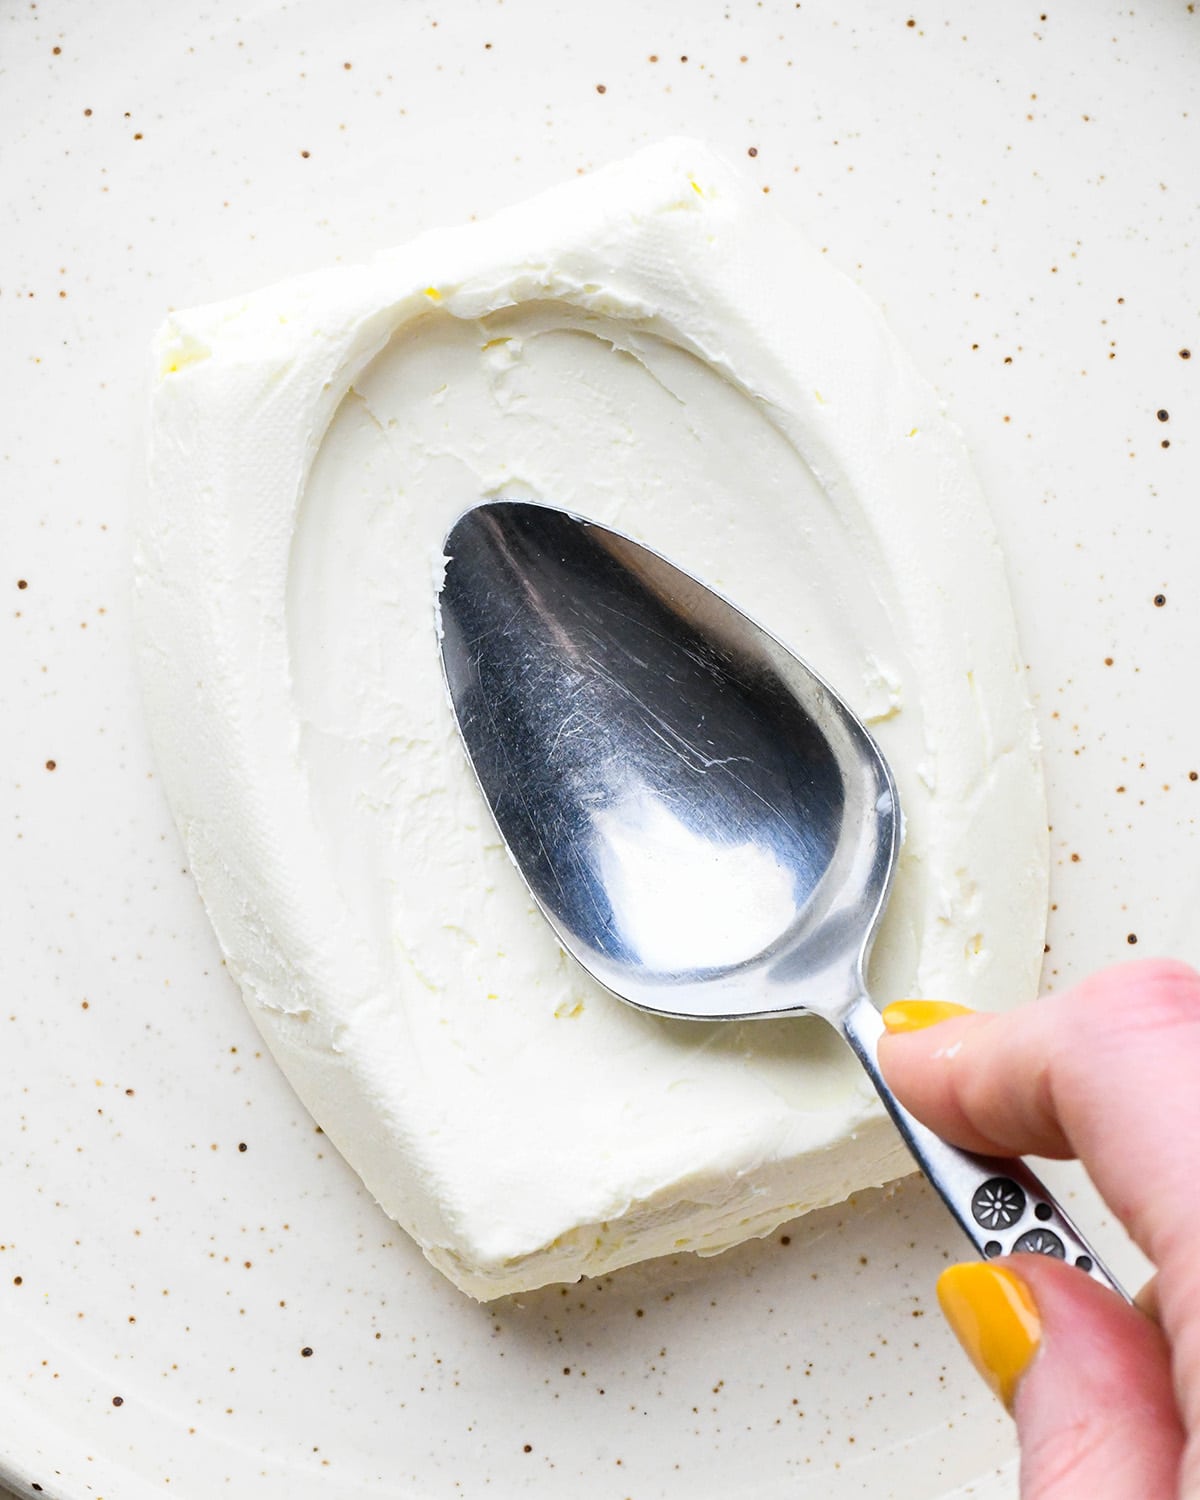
[(655, 347)]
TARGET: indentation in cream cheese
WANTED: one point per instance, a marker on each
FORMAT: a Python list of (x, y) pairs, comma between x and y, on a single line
[(645, 346)]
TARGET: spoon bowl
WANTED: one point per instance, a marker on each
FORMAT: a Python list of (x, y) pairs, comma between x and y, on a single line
[(705, 824)]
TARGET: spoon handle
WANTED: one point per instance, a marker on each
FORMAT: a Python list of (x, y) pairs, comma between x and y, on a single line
[(1002, 1207)]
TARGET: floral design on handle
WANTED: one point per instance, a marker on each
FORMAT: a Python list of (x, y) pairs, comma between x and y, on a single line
[(1041, 1242), (998, 1203)]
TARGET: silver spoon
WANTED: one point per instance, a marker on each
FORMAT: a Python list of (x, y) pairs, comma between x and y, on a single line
[(706, 826)]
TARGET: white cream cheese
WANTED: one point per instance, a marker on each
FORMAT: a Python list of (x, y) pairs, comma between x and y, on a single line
[(652, 346)]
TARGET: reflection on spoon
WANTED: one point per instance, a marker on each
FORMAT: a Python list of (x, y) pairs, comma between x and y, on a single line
[(686, 900)]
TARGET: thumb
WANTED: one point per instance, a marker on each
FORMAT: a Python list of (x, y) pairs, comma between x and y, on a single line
[(1086, 1376)]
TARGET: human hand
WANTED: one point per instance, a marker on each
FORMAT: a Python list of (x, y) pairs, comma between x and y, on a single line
[(1106, 1396)]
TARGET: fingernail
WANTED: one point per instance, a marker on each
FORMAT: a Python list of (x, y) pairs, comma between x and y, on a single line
[(915, 1015), (995, 1319)]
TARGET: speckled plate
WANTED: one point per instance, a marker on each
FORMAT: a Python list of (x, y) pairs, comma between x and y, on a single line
[(196, 1297)]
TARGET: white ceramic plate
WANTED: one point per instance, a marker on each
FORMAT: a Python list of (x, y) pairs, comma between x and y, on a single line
[(1017, 188)]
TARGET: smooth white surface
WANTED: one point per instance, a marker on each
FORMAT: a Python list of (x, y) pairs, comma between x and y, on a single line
[(110, 1200), (652, 345)]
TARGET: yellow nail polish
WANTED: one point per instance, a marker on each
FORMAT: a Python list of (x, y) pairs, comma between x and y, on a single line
[(915, 1015), (995, 1319)]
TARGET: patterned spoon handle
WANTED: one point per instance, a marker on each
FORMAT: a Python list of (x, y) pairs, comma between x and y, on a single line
[(1002, 1207)]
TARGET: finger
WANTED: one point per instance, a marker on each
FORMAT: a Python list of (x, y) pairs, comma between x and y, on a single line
[(1011, 1082), (1106, 1072), (1086, 1376)]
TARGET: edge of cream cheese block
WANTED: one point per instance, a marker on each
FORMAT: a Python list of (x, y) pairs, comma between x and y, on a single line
[(746, 1207), (244, 390)]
